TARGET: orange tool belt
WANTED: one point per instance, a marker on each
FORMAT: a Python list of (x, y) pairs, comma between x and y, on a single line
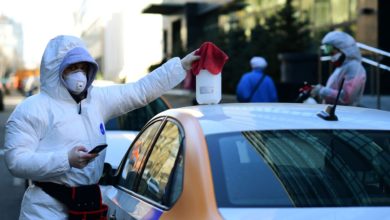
[(83, 202)]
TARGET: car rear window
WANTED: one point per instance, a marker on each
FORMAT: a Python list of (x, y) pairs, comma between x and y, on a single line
[(301, 168)]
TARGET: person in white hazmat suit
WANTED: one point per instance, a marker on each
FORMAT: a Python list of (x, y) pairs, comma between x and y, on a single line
[(346, 59), (49, 134)]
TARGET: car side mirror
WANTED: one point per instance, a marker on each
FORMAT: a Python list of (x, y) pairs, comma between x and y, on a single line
[(108, 175)]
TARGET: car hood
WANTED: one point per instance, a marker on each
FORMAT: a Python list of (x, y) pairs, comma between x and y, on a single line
[(336, 213)]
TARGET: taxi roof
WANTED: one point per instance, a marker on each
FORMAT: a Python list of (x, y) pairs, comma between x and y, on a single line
[(234, 117)]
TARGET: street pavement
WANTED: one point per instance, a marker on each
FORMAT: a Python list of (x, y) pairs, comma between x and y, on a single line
[(12, 188)]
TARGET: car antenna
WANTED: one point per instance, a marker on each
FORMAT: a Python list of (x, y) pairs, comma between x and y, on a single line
[(329, 113)]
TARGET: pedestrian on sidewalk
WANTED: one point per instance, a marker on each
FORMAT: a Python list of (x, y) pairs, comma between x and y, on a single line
[(256, 86), (346, 61), (48, 136)]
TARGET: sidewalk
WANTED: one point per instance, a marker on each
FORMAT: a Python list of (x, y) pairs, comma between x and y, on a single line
[(371, 101)]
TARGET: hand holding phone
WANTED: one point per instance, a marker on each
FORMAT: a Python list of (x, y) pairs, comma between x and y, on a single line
[(97, 149)]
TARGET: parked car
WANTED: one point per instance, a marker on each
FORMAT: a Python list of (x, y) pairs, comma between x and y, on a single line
[(255, 161)]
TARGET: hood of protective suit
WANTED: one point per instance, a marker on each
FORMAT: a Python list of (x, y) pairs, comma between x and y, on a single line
[(344, 42), (61, 52)]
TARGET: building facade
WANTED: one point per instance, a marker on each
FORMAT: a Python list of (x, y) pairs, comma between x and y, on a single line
[(186, 23), (11, 46), (124, 41)]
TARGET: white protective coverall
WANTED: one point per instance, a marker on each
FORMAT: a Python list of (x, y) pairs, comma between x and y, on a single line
[(44, 127), (351, 69)]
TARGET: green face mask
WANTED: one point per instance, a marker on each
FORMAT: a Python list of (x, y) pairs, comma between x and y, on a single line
[(326, 48)]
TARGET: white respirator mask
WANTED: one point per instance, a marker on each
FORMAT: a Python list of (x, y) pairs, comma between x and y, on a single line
[(76, 81)]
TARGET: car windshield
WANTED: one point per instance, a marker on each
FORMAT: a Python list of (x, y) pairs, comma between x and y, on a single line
[(301, 168)]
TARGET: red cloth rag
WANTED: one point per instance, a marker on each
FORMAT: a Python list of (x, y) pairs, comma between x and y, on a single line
[(211, 58)]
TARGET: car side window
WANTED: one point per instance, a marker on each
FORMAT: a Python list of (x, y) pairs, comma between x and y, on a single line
[(162, 177), (135, 156)]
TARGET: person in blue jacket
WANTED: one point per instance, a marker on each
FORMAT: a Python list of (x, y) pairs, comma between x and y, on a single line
[(256, 86)]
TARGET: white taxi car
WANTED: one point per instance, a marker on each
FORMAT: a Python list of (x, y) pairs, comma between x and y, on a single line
[(255, 161)]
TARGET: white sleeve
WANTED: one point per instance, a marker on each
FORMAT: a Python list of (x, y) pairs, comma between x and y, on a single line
[(22, 135), (120, 99)]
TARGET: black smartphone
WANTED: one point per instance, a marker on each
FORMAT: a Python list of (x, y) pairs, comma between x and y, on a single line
[(97, 149)]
